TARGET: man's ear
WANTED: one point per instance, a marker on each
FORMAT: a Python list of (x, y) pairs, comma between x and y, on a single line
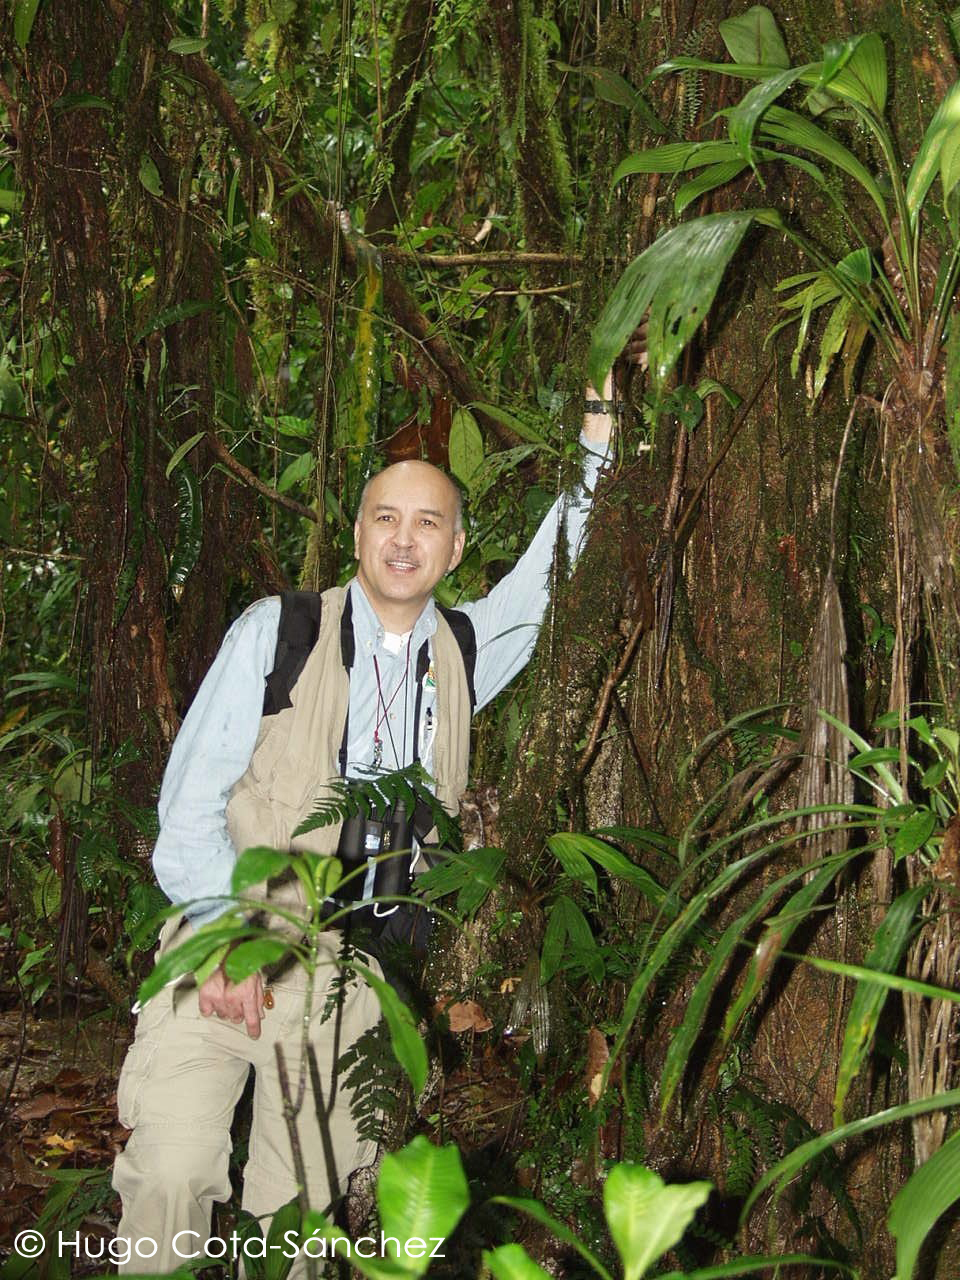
[(356, 538), (458, 540)]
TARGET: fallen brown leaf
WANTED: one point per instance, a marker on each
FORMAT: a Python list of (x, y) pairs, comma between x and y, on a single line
[(463, 1015), (598, 1055)]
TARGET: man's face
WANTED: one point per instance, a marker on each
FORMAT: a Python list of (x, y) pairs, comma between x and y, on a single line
[(405, 540)]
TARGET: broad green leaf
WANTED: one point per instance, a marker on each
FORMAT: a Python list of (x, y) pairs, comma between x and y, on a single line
[(618, 864), (931, 1190), (647, 1217), (608, 85), (676, 280), (834, 334), (950, 162), (24, 12), (710, 386), (516, 425), (512, 1262), (944, 125), (568, 933), (754, 37), (836, 55), (191, 954), (950, 738), (748, 1264), (914, 833), (675, 157), (284, 1219), (857, 266), (466, 446), (182, 452), (470, 875), (935, 775), (534, 1209), (789, 127), (150, 176), (296, 472), (257, 953), (791, 1164), (716, 175), (10, 201), (422, 1194), (566, 848), (328, 1241), (186, 44), (256, 865), (742, 120), (890, 941), (405, 1040), (862, 77)]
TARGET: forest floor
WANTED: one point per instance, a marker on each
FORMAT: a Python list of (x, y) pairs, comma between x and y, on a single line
[(58, 1116)]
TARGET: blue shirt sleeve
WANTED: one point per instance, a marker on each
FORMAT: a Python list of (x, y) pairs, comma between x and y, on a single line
[(194, 855), (507, 620)]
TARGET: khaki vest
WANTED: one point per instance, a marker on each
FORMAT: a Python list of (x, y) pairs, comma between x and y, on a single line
[(297, 749)]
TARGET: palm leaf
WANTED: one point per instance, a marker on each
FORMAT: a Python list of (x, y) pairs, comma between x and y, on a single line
[(930, 1192), (860, 77), (674, 157), (938, 142), (889, 944), (534, 1209), (742, 120), (791, 1164), (676, 280), (794, 130), (682, 1041), (717, 175)]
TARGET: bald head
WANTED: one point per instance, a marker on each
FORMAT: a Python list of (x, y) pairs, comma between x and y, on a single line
[(410, 472), (408, 534)]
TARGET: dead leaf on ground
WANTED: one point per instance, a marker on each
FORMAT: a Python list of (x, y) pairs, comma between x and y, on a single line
[(463, 1015), (598, 1055), (40, 1105)]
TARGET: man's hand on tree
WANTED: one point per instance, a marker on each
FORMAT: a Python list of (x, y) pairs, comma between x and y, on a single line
[(600, 411), (234, 1001)]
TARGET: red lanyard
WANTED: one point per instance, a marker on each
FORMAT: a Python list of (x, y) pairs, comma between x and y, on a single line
[(384, 709)]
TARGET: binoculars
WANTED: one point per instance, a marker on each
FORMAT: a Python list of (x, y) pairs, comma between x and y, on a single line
[(363, 837)]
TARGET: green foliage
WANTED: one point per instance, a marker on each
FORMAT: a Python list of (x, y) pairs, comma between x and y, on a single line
[(677, 277), (931, 1190)]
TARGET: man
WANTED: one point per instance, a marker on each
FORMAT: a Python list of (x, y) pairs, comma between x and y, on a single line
[(238, 777)]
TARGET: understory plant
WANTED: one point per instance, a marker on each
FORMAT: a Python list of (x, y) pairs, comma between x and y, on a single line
[(876, 295)]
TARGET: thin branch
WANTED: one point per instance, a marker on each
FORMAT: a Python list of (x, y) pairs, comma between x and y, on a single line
[(320, 226), (614, 677), (492, 258), (254, 482), (718, 457)]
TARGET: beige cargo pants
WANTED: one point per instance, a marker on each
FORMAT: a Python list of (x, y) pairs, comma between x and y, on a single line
[(180, 1082)]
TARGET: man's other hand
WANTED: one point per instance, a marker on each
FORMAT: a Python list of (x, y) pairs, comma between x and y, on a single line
[(235, 1001)]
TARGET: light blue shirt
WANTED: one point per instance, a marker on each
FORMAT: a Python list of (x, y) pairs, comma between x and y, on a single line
[(194, 855)]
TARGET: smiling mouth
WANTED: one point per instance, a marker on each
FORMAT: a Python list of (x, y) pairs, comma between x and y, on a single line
[(403, 565)]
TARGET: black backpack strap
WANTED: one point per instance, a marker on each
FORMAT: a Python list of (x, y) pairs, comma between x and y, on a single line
[(466, 638), (296, 636)]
